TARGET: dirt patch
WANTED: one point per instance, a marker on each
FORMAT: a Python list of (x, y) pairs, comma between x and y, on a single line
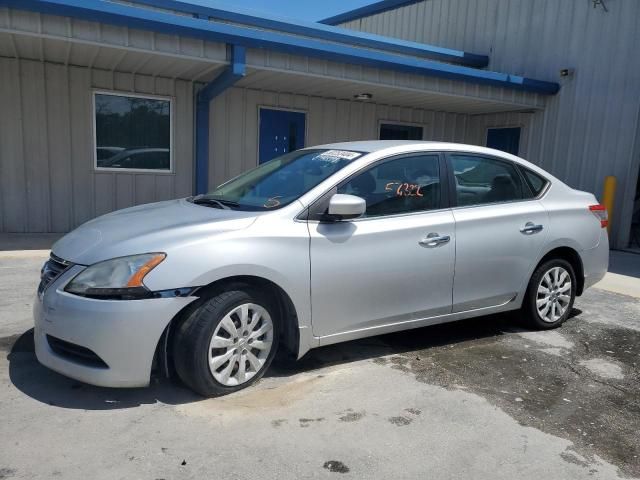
[(335, 466), (305, 422), (558, 393), (7, 473), (352, 417), (400, 421)]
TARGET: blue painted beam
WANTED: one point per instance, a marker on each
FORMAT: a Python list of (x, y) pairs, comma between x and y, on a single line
[(118, 14), (234, 72), (325, 32), (367, 10)]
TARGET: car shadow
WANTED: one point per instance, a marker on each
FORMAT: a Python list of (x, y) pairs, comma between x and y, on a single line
[(46, 386)]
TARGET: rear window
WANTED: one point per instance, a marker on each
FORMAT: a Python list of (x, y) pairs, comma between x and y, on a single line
[(536, 182)]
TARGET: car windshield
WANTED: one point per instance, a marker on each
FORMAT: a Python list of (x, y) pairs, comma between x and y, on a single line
[(278, 182)]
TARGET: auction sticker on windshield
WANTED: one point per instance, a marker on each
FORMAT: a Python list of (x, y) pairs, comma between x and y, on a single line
[(337, 155)]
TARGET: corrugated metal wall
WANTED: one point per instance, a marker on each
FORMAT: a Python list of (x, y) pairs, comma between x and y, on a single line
[(589, 129), (47, 180), (234, 123)]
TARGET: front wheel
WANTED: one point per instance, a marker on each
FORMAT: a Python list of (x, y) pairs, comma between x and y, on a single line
[(227, 343), (550, 294)]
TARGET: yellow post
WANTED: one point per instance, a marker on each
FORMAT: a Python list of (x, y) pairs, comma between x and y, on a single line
[(608, 196)]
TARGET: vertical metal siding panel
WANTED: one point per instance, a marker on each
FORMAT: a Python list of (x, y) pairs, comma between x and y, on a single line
[(105, 192), (315, 121), (329, 113), (164, 187), (36, 161), (183, 138), (355, 121), (125, 190), (343, 111), (58, 132), (369, 122), (144, 188), (12, 176), (81, 144), (217, 141), (250, 142), (235, 132)]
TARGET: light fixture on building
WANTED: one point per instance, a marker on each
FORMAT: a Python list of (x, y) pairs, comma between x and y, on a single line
[(363, 96), (566, 72)]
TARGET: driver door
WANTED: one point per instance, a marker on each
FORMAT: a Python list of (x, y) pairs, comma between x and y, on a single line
[(393, 265)]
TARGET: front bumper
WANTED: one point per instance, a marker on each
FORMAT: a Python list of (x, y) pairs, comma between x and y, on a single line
[(122, 333)]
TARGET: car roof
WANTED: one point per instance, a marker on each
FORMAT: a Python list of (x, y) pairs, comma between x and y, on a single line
[(370, 146)]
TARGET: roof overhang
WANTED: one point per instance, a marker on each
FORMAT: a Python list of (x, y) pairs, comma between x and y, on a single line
[(318, 30), (367, 10), (251, 37)]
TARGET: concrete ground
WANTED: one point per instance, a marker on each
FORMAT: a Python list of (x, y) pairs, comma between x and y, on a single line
[(476, 399)]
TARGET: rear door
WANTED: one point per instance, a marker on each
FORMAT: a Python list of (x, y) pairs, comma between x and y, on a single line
[(500, 229), (393, 265)]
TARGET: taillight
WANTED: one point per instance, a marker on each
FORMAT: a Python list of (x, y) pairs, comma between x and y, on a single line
[(600, 211)]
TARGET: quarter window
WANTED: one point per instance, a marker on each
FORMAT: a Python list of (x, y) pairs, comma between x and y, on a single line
[(536, 182), (402, 185), (481, 180), (132, 132)]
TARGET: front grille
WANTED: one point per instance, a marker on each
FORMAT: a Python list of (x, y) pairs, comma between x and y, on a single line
[(52, 269), (75, 353)]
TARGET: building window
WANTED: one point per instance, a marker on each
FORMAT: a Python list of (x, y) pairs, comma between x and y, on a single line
[(392, 131), (505, 139), (132, 132), (281, 131)]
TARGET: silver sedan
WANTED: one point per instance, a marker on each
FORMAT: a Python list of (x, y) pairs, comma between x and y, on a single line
[(321, 245)]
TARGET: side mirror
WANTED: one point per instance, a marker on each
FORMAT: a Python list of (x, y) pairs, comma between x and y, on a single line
[(345, 207)]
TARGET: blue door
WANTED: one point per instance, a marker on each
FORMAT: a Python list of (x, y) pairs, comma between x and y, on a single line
[(281, 131), (505, 139)]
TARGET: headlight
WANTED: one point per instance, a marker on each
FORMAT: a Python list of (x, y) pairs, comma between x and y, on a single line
[(116, 278)]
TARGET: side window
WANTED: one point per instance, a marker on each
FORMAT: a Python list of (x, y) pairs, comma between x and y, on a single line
[(402, 185), (481, 180), (535, 182)]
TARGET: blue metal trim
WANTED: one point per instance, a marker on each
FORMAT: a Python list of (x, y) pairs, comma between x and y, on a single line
[(117, 14), (234, 72), (367, 10), (325, 32)]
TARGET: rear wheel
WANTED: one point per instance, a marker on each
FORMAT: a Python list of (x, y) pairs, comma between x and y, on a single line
[(227, 343), (550, 294)]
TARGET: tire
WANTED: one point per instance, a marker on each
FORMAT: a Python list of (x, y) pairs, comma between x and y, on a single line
[(560, 293), (237, 341)]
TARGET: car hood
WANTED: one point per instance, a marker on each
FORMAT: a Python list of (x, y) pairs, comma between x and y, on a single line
[(154, 227)]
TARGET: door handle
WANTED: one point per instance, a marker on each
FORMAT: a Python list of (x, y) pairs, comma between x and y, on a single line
[(434, 239), (530, 228)]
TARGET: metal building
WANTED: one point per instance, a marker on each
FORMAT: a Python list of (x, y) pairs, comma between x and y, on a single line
[(108, 104)]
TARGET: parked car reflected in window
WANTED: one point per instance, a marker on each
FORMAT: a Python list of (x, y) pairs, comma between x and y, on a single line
[(139, 158), (132, 132)]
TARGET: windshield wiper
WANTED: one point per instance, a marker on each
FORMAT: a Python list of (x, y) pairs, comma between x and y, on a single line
[(215, 202)]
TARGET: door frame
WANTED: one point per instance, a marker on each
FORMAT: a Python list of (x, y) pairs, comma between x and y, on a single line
[(284, 109), (402, 124), (508, 125)]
